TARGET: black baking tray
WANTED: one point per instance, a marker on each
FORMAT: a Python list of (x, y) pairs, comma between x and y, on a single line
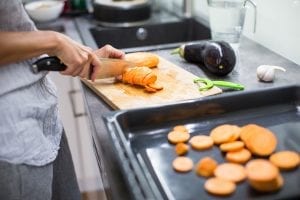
[(139, 138)]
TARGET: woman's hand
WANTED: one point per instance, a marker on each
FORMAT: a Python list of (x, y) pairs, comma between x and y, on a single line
[(106, 51), (77, 57)]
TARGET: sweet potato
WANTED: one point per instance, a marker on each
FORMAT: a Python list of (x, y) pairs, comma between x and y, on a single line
[(285, 160), (231, 172), (206, 166), (241, 156), (175, 137), (263, 175), (182, 164), (268, 186), (201, 142), (259, 140), (225, 133), (181, 148), (142, 76), (219, 186), (143, 59), (180, 128), (261, 170), (232, 146)]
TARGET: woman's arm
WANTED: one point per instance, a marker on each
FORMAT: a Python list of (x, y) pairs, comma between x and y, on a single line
[(18, 46)]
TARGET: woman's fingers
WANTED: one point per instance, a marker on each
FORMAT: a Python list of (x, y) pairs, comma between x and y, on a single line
[(82, 60), (108, 51)]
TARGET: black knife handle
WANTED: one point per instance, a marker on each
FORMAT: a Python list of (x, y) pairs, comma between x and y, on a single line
[(51, 63)]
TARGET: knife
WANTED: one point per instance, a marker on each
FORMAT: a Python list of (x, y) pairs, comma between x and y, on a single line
[(111, 67)]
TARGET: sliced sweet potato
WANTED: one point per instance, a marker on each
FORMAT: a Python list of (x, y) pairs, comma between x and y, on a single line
[(181, 148), (149, 78), (268, 186), (285, 160), (263, 175), (232, 146), (231, 172), (150, 89), (155, 86), (142, 76), (219, 186), (224, 133), (240, 156), (201, 142), (246, 131), (261, 170), (180, 128), (182, 164), (206, 166), (175, 137), (259, 140), (141, 59)]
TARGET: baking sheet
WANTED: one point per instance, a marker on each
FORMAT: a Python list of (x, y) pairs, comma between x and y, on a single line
[(141, 137)]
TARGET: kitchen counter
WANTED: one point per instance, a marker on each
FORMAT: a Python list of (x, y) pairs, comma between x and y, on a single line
[(251, 55)]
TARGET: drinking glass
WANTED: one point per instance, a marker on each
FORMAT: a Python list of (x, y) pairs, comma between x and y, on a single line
[(226, 18)]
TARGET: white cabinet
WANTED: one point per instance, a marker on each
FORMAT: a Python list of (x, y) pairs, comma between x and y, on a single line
[(72, 113), (75, 121)]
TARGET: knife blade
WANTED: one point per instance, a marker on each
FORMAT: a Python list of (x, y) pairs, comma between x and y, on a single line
[(110, 67)]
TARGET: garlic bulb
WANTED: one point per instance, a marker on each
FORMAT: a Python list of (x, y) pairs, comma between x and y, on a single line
[(266, 73)]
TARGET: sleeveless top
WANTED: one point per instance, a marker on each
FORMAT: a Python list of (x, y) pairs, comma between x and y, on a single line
[(30, 129)]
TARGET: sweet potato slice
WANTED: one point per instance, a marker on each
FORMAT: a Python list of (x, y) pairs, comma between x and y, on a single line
[(206, 166), (175, 137), (268, 186), (182, 164), (231, 172), (155, 86), (241, 156), (261, 170), (232, 146), (285, 160), (150, 89), (180, 128), (140, 74), (128, 75), (224, 133), (149, 79), (201, 142), (181, 148), (260, 141), (140, 59), (263, 175), (246, 131), (219, 186)]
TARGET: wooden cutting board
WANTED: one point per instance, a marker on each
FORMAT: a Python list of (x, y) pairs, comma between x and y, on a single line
[(178, 85)]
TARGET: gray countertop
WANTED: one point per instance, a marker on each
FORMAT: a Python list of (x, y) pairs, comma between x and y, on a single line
[(251, 55)]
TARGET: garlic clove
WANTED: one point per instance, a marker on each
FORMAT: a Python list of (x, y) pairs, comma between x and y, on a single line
[(266, 73)]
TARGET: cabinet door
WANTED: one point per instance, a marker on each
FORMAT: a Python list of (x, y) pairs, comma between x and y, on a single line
[(72, 113)]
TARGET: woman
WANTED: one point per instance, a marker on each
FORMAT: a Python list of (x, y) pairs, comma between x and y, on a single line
[(35, 162)]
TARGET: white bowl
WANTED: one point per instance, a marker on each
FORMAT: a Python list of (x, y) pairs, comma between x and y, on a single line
[(44, 11)]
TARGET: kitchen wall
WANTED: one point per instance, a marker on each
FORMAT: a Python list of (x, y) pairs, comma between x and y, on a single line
[(278, 24)]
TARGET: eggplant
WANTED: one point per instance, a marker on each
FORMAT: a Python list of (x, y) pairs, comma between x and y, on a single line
[(217, 56)]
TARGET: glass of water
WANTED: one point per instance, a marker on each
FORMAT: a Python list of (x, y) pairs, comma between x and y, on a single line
[(226, 18)]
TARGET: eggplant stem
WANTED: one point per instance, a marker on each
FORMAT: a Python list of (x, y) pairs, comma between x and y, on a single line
[(175, 51)]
